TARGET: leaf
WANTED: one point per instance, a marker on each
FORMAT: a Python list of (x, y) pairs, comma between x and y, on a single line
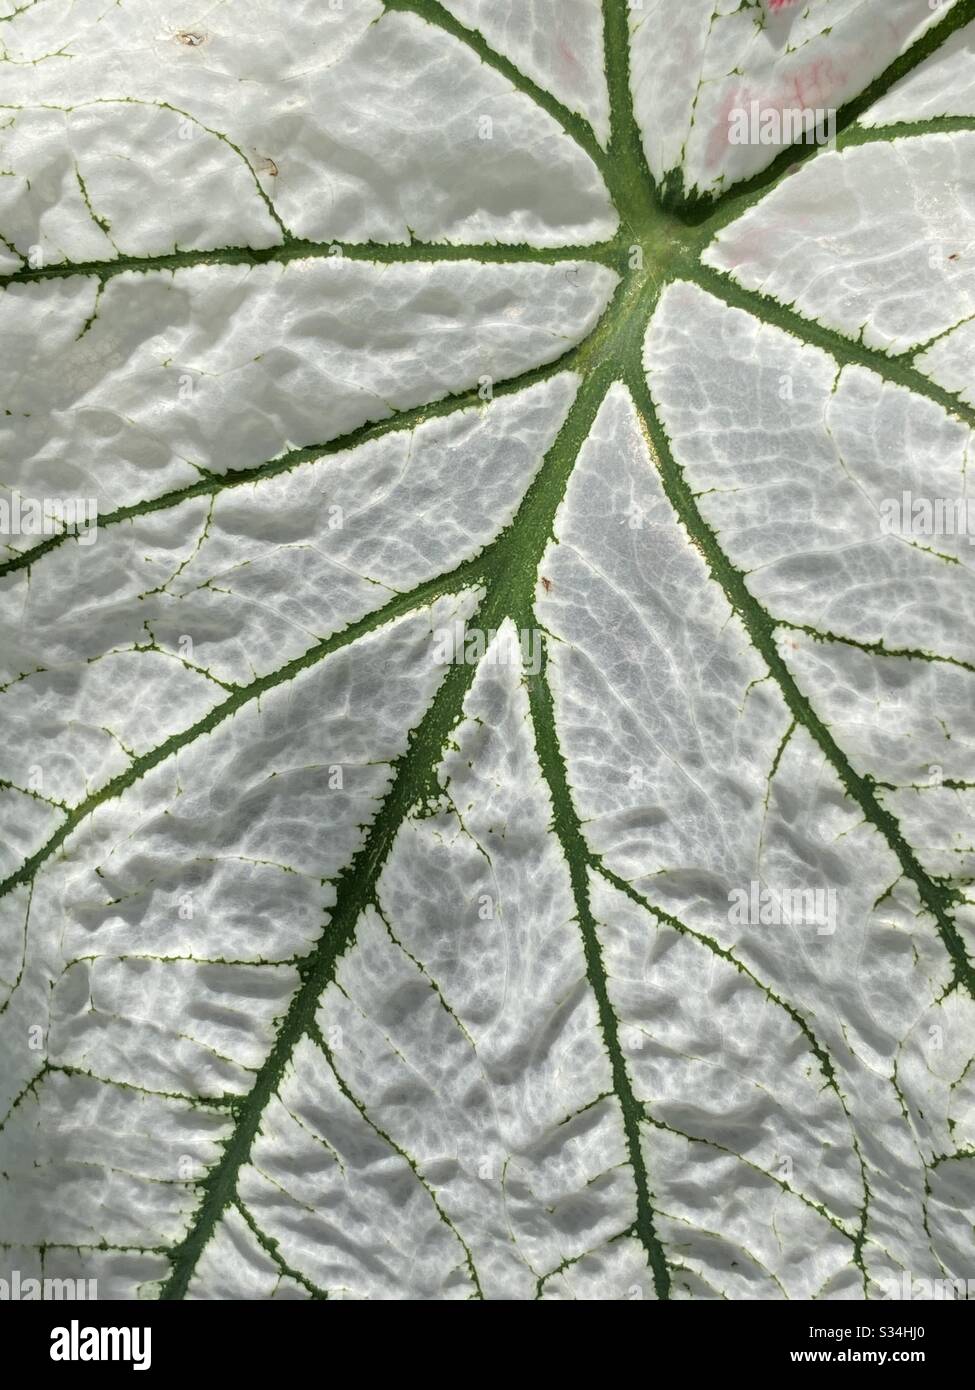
[(487, 810)]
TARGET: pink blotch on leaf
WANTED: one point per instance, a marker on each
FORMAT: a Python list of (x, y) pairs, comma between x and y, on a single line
[(570, 63)]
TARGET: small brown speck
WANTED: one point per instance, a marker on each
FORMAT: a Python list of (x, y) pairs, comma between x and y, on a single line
[(189, 38), (546, 584)]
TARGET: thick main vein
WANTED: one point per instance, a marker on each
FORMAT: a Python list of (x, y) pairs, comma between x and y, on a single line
[(354, 892), (630, 184), (298, 248), (414, 780)]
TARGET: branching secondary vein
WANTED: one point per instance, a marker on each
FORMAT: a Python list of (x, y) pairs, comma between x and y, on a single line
[(846, 351), (566, 826), (936, 896), (400, 421)]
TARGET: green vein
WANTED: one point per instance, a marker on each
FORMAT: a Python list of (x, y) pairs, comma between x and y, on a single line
[(354, 892), (848, 352), (777, 760), (632, 185), (939, 1159), (723, 953), (413, 782), (574, 125), (100, 222), (816, 1047), (272, 1249), (315, 1034), (259, 188), (817, 1207), (406, 419), (566, 826), (903, 130), (937, 897), (20, 9), (717, 211), (423, 594), (569, 1262), (876, 648), (298, 249)]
